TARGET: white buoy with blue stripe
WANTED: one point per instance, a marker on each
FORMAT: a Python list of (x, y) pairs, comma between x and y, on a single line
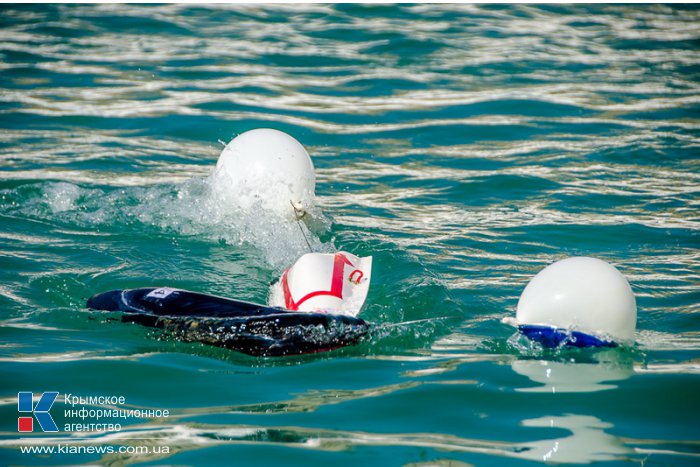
[(580, 302)]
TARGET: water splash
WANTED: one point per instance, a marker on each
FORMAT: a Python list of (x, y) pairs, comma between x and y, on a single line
[(201, 207)]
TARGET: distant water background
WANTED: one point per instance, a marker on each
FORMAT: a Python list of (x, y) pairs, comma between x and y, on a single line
[(464, 147)]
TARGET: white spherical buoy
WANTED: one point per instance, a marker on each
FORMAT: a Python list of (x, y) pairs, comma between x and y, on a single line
[(270, 166), (581, 294)]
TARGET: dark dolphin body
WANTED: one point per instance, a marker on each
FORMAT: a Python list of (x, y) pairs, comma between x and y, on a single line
[(247, 327)]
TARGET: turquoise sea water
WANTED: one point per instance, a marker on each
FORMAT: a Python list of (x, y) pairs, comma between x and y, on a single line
[(464, 147)]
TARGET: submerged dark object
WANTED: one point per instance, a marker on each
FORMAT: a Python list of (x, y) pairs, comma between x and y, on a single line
[(247, 327), (551, 337)]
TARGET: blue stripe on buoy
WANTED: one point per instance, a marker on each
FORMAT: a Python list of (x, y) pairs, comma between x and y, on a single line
[(551, 337)]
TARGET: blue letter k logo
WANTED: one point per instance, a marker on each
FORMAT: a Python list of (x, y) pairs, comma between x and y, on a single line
[(41, 411)]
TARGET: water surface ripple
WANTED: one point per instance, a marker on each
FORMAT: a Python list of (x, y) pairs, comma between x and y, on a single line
[(465, 147)]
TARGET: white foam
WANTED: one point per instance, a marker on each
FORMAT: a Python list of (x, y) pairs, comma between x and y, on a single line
[(61, 196), (200, 207)]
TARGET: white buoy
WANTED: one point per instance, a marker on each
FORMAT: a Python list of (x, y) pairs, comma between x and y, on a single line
[(580, 294), (270, 167)]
